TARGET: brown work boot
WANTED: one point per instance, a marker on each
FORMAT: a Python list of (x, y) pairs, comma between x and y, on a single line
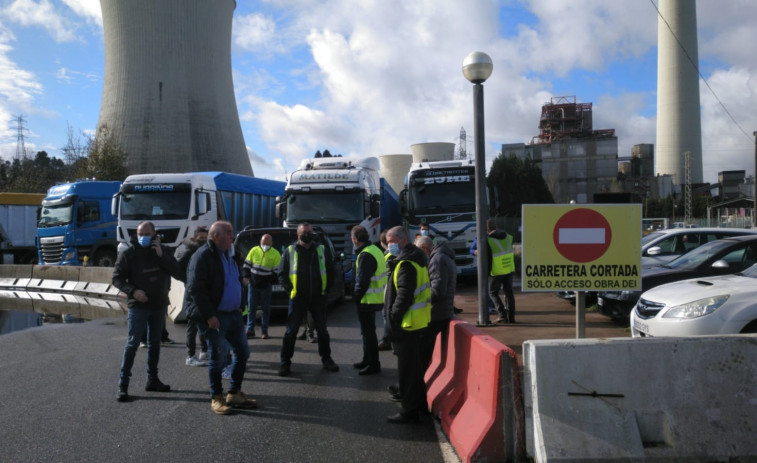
[(218, 405), (240, 400)]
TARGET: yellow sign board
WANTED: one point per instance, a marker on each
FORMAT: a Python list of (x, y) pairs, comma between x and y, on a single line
[(581, 247)]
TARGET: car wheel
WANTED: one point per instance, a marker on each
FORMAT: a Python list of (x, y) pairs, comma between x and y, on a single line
[(105, 258), (751, 328)]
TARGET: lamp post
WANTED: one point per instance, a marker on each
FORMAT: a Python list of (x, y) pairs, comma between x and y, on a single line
[(477, 67)]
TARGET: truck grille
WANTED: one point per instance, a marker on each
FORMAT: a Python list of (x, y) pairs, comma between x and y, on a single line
[(648, 309), (52, 249)]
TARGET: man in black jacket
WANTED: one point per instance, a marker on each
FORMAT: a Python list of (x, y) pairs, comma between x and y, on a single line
[(213, 297), (307, 272), (407, 308), (143, 272), (183, 254)]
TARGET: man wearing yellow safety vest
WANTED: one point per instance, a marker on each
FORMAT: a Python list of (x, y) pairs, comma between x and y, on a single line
[(407, 307), (501, 271), (368, 294), (260, 267), (307, 272)]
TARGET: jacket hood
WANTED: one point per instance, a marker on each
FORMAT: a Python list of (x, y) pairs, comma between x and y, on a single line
[(413, 253), (442, 248), (498, 234)]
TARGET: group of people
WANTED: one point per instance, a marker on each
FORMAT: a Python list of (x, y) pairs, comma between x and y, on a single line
[(413, 284)]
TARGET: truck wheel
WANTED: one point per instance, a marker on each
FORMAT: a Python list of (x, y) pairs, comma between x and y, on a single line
[(104, 258)]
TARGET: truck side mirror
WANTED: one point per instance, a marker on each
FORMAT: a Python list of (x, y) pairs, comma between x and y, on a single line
[(403, 202), (375, 206), (280, 209), (114, 205), (202, 203)]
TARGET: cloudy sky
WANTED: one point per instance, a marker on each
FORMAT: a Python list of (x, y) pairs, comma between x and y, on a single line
[(369, 77)]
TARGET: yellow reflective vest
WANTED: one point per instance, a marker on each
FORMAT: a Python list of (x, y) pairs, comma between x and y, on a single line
[(261, 262), (419, 314), (375, 292), (503, 261), (293, 261)]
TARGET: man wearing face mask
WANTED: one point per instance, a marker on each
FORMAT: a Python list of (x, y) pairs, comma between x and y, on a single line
[(260, 268), (424, 230), (183, 253), (143, 272), (307, 271)]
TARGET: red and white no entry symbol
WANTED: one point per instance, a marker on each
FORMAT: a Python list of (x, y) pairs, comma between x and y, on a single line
[(582, 235)]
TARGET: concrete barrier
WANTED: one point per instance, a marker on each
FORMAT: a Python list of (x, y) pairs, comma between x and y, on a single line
[(653, 399), (475, 391)]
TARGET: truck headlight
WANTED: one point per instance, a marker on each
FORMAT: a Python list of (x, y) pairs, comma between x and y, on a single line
[(69, 255), (697, 308)]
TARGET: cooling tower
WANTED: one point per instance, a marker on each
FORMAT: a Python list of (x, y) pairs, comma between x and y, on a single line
[(678, 114), (168, 96), (434, 151), (394, 168)]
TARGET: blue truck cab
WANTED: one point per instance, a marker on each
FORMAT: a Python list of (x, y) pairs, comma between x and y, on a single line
[(76, 222)]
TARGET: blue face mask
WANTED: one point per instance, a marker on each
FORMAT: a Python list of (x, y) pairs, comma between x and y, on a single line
[(424, 232), (144, 241), (394, 249)]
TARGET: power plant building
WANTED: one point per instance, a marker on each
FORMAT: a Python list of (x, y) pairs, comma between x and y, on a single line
[(168, 95), (576, 161), (679, 129)]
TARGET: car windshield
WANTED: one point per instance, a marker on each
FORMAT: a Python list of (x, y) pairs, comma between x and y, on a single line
[(60, 214), (698, 256), (751, 272), (650, 237)]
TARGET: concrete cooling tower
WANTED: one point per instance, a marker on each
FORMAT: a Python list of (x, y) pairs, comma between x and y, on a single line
[(168, 96), (433, 151), (679, 126), (394, 168)]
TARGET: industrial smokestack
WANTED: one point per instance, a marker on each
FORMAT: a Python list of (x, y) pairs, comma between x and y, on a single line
[(679, 127), (168, 96)]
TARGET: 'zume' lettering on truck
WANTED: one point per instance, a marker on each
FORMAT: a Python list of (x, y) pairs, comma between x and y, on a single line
[(455, 179)]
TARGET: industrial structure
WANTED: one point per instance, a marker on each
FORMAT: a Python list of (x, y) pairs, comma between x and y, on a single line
[(679, 128), (168, 96), (576, 161)]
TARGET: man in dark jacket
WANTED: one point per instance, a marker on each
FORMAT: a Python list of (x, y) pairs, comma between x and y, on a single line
[(307, 272), (214, 297), (442, 273), (407, 308), (183, 254), (370, 281), (143, 272)]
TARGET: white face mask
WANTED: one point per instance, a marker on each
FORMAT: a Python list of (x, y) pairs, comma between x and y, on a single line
[(265, 247)]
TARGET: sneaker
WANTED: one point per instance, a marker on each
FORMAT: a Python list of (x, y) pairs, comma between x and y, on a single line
[(143, 345), (195, 362), (226, 372), (384, 345), (167, 341), (284, 370), (250, 334), (123, 394), (312, 339), (264, 336), (155, 385), (203, 356), (329, 365), (501, 320), (218, 405), (240, 400)]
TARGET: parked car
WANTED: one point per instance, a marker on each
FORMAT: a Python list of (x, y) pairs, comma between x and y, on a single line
[(700, 306), (283, 237), (721, 257), (661, 247)]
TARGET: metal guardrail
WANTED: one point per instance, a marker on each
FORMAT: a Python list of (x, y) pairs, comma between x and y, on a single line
[(83, 292)]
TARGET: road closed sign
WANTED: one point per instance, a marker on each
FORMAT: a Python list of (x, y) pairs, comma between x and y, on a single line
[(581, 248)]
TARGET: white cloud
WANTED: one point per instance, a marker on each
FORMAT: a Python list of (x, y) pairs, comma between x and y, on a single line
[(17, 87), (41, 14), (87, 9), (256, 33)]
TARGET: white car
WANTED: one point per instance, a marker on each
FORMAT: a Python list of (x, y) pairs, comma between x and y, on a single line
[(700, 306)]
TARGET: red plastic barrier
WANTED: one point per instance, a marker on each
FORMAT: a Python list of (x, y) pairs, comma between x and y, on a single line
[(473, 387)]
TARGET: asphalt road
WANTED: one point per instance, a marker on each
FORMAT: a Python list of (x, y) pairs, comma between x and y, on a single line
[(58, 386)]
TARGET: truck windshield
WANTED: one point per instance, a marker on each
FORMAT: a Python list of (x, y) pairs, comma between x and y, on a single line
[(52, 216), (443, 197), (325, 207), (144, 204)]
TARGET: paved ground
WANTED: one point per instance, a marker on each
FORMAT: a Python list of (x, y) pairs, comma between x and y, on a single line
[(58, 384)]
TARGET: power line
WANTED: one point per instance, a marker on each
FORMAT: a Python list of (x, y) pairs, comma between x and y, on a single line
[(696, 68)]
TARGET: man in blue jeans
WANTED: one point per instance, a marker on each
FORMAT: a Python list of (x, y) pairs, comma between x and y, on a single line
[(260, 269), (143, 272), (214, 289)]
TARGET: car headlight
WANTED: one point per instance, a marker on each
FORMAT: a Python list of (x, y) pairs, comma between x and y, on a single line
[(697, 308)]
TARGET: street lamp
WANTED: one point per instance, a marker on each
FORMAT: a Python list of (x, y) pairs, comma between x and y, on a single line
[(477, 67)]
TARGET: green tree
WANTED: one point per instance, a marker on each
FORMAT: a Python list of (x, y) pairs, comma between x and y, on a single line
[(516, 182), (31, 175), (106, 159)]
